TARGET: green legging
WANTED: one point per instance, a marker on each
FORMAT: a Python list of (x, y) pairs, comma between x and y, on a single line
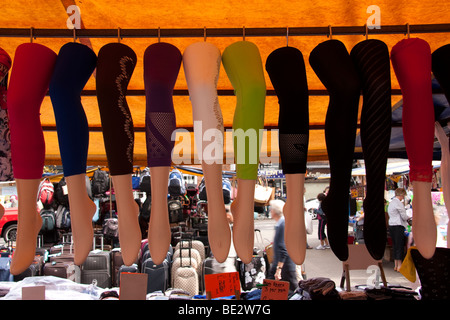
[(243, 65)]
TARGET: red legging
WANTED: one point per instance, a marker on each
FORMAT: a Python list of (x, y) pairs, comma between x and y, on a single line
[(30, 77), (411, 59)]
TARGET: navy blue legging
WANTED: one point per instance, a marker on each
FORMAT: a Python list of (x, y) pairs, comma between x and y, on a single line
[(74, 66)]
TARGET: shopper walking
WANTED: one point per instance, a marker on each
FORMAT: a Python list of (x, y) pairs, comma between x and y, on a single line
[(398, 221), (282, 268), (322, 219)]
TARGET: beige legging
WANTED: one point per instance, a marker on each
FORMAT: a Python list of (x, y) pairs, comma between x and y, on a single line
[(201, 61)]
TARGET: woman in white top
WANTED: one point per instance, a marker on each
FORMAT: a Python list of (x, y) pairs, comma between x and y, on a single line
[(397, 224)]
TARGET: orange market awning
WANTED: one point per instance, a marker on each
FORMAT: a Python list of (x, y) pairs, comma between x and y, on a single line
[(49, 22)]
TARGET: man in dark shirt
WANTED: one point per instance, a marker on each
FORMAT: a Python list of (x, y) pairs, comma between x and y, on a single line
[(282, 268)]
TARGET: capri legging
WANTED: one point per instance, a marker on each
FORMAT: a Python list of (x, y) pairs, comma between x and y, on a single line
[(411, 59), (331, 62), (243, 65), (30, 78), (73, 68), (201, 61), (115, 65), (162, 62), (287, 72)]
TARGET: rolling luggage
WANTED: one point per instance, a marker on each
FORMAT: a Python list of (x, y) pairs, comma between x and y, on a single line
[(129, 269), (194, 244), (116, 264), (185, 274), (63, 269), (158, 275), (189, 253), (5, 275), (97, 266)]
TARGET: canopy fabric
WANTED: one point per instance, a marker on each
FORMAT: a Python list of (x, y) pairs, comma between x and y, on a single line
[(134, 14)]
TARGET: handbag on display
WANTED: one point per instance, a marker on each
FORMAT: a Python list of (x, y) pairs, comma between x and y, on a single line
[(111, 227), (263, 193)]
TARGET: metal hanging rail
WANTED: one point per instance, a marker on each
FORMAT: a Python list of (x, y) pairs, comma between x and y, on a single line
[(120, 33), (222, 32)]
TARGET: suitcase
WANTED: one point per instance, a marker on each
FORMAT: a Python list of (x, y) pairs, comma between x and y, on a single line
[(128, 269), (5, 274), (184, 271), (186, 278), (116, 264), (194, 244), (97, 266), (63, 269), (158, 275), (193, 254), (60, 248), (100, 277), (61, 253)]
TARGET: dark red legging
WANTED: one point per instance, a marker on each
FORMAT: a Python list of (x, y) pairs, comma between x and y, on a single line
[(30, 78), (411, 59)]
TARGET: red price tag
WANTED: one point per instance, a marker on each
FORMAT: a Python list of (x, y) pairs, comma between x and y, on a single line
[(222, 284)]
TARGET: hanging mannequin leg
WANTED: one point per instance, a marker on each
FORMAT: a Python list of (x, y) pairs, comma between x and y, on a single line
[(115, 66), (30, 78), (286, 68), (82, 209), (242, 62), (162, 62), (73, 68), (334, 67), (159, 233), (201, 61), (445, 173), (440, 66), (128, 215), (372, 61), (411, 60), (28, 225)]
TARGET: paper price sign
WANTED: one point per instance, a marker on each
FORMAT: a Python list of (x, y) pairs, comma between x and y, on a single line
[(222, 284), (274, 290)]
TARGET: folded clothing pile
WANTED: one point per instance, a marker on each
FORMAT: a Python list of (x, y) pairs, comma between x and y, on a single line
[(318, 288)]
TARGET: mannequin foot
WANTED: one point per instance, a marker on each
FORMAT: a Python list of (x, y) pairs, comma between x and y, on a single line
[(424, 225), (82, 230), (159, 236), (219, 236), (243, 229), (337, 225), (128, 215), (130, 235), (25, 251), (295, 232)]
